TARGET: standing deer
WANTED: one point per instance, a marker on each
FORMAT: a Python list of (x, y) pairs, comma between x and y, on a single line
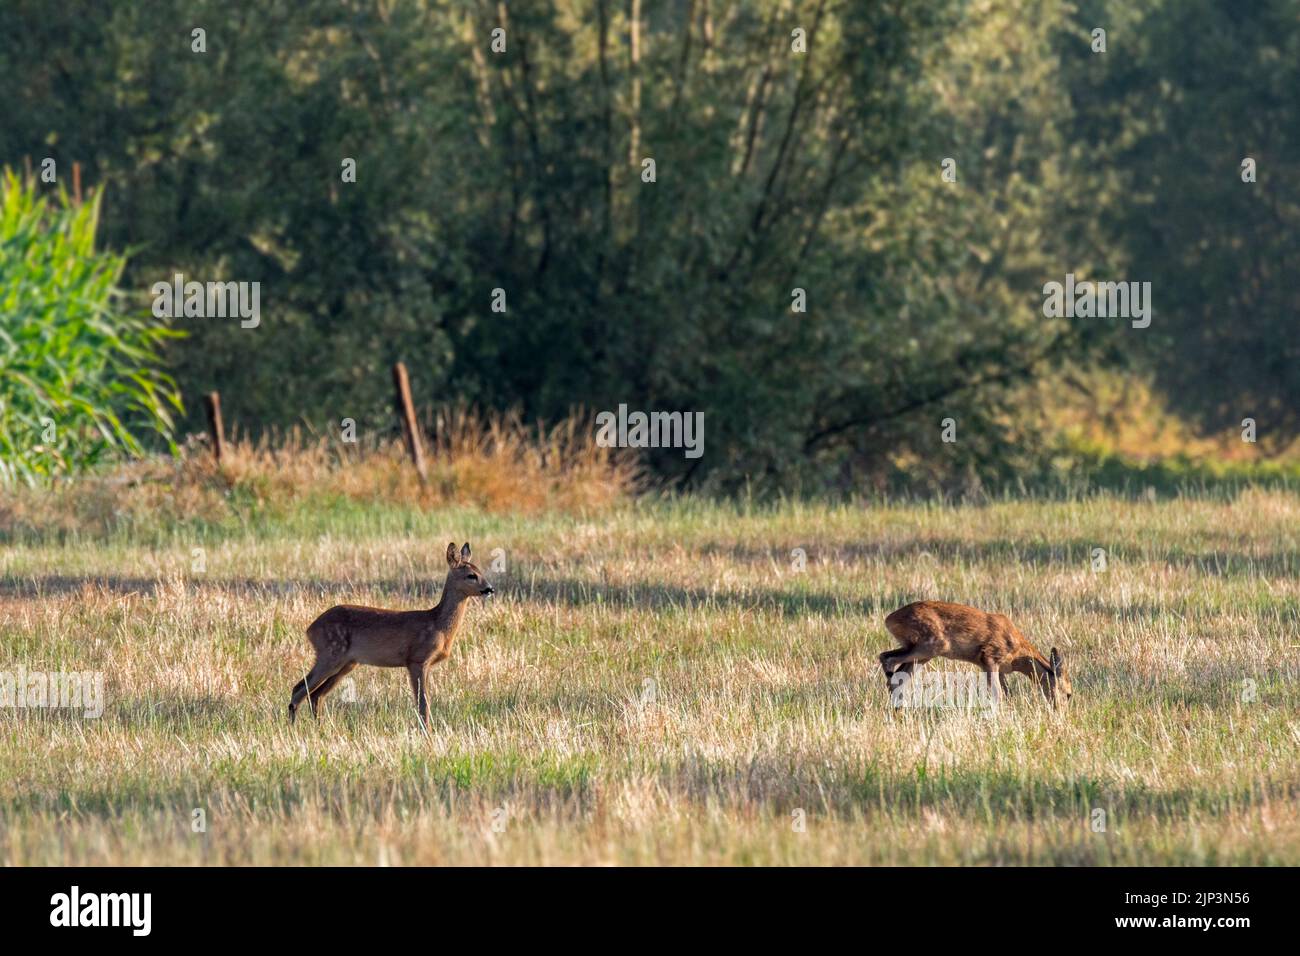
[(929, 629), (347, 635)]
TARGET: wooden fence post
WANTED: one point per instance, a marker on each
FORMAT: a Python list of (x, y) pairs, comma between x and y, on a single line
[(406, 412), (212, 404), (76, 182)]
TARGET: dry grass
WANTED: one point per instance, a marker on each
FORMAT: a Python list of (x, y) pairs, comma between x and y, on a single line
[(491, 461), (660, 685)]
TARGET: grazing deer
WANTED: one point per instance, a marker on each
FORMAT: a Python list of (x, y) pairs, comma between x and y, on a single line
[(347, 635), (928, 629)]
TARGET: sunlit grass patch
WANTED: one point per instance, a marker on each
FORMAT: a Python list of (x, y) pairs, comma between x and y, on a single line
[(666, 684)]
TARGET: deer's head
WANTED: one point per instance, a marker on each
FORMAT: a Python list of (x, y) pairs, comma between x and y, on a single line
[(1055, 681), (464, 579)]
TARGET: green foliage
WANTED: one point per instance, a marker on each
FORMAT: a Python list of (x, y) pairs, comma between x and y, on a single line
[(78, 371), (1188, 91), (521, 170), (1078, 464)]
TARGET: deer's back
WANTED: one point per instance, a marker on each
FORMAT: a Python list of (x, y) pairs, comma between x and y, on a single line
[(355, 616), (957, 631)]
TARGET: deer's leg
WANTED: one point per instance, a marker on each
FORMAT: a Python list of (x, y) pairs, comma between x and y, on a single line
[(299, 692), (889, 660), (903, 661), (993, 674), (887, 665), (319, 672), (418, 675), (897, 680), (1002, 681), (905, 657), (318, 695)]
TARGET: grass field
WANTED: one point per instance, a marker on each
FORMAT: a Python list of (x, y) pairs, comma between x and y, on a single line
[(659, 684)]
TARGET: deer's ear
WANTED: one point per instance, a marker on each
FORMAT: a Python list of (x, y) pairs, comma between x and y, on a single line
[(1055, 661), (451, 553), (464, 552)]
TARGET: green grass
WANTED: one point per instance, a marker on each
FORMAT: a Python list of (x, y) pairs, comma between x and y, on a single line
[(768, 707)]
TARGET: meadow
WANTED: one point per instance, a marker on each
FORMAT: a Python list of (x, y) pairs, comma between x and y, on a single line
[(662, 681)]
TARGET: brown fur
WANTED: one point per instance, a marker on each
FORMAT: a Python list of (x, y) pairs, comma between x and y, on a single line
[(929, 629), (347, 635)]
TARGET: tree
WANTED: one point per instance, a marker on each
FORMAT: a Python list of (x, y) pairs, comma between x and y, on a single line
[(1189, 91), (504, 156)]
